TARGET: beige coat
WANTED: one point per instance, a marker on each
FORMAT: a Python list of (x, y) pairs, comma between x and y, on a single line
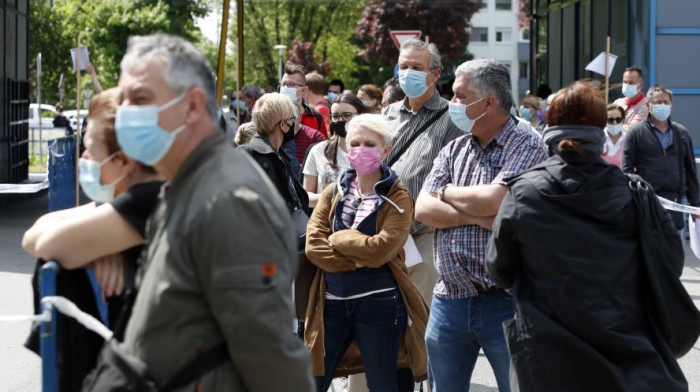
[(340, 255)]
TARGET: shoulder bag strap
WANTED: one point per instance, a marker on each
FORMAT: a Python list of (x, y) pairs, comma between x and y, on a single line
[(201, 365), (415, 135), (680, 148)]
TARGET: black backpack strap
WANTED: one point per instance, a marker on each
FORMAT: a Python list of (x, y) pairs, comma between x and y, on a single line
[(415, 135), (203, 364)]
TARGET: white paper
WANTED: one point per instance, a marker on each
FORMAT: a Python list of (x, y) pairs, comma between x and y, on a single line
[(694, 232), (598, 64), (411, 251), (83, 57)]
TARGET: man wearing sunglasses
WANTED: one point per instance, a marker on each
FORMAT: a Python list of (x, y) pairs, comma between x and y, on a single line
[(661, 151)]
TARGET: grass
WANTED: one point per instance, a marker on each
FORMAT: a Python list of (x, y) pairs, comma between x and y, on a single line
[(35, 166)]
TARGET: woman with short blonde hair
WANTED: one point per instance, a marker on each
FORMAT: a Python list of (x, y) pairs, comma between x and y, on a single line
[(270, 110)]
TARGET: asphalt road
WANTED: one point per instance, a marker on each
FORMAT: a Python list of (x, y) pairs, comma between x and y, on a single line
[(20, 369)]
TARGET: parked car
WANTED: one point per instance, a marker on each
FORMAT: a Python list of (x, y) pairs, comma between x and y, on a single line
[(71, 115), (47, 114)]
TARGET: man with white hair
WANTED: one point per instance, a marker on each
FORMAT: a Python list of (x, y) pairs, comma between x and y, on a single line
[(461, 197), (220, 258)]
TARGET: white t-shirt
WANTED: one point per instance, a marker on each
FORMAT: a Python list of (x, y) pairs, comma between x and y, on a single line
[(317, 165)]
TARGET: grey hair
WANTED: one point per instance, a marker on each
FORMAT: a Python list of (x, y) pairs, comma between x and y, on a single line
[(416, 44), (658, 89), (252, 91), (488, 77), (185, 66)]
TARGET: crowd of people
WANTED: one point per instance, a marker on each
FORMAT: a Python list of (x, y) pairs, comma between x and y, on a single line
[(424, 226)]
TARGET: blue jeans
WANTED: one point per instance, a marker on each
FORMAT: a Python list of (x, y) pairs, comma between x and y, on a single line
[(377, 322), (457, 329)]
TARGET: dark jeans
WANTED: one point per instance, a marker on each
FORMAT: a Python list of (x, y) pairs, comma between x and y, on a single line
[(377, 322)]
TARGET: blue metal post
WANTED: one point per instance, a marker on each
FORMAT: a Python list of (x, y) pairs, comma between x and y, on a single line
[(47, 287)]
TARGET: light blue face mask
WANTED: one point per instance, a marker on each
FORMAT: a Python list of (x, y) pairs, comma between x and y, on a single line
[(661, 111), (629, 90), (89, 178), (139, 134), (412, 82), (331, 97), (458, 114), (614, 129), (291, 92), (526, 113)]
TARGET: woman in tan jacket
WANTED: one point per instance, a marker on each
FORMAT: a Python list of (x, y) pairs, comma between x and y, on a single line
[(362, 299)]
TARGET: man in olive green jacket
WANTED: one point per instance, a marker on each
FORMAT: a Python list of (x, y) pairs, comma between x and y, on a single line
[(220, 255)]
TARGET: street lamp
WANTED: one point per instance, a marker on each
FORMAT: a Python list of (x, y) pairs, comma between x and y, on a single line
[(280, 51)]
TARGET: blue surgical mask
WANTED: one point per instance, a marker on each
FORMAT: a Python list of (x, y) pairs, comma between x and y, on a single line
[(291, 92), (629, 90), (526, 113), (139, 134), (89, 178), (661, 111), (331, 96), (412, 82), (614, 129), (240, 104), (458, 114)]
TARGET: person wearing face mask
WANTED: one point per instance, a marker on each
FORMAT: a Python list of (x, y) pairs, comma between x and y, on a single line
[(274, 116), (371, 96), (362, 297), (633, 102), (529, 111), (220, 261), (614, 136), (304, 137), (461, 197), (293, 85), (326, 160), (423, 127), (661, 151), (109, 233)]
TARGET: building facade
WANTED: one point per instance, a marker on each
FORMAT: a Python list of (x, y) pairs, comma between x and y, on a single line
[(495, 34), (661, 37)]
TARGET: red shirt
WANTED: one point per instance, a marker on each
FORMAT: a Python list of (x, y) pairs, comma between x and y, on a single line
[(304, 139), (324, 108)]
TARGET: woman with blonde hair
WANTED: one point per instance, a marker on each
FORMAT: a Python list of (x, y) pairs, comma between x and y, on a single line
[(361, 296)]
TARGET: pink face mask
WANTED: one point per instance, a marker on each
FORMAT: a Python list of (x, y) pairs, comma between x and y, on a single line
[(366, 160)]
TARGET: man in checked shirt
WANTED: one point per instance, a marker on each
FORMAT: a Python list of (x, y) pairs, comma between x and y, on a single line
[(461, 197)]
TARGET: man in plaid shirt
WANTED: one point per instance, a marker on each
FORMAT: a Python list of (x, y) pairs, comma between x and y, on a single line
[(461, 197)]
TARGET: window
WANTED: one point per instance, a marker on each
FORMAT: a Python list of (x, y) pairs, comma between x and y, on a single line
[(525, 34), (523, 70), (484, 4), (504, 34), (504, 5), (480, 34)]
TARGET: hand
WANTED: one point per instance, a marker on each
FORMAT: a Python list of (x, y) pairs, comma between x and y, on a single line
[(90, 69), (109, 271)]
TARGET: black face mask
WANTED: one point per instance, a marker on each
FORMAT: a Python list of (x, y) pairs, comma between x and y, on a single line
[(289, 136), (338, 128)]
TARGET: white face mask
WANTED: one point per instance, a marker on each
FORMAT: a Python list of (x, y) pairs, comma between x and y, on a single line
[(291, 92), (629, 90)]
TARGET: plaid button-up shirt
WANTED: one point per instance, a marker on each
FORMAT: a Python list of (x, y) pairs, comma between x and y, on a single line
[(460, 251)]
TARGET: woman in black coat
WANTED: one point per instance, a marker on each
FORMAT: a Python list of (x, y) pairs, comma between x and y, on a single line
[(565, 240)]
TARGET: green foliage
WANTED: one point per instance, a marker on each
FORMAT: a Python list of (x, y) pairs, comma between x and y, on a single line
[(328, 24), (104, 26)]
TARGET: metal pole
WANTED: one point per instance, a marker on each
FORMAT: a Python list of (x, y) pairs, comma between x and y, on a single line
[(222, 52), (38, 105), (280, 52), (47, 347), (239, 59), (77, 131), (607, 74)]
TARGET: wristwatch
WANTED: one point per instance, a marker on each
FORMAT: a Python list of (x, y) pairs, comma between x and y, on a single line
[(441, 192)]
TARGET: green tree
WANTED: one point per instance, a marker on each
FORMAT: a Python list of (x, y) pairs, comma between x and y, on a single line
[(104, 26), (326, 24)]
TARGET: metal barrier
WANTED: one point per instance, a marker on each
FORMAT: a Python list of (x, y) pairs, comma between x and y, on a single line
[(47, 287), (62, 173)]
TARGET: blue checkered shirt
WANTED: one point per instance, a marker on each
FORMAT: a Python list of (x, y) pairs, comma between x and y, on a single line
[(460, 251)]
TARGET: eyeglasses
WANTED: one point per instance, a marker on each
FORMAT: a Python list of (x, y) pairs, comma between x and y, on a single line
[(345, 116), (291, 84), (292, 118), (614, 120)]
